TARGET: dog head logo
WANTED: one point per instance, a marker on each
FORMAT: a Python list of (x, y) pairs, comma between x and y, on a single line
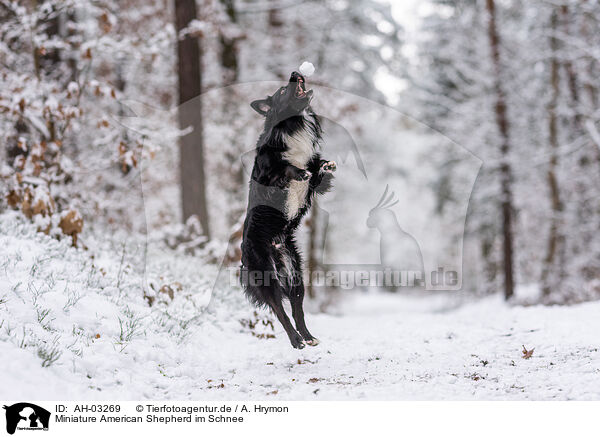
[(26, 416)]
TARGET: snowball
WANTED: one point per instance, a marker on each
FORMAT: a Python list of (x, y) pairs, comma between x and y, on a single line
[(307, 69)]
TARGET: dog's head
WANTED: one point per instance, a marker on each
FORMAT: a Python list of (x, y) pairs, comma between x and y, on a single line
[(288, 101)]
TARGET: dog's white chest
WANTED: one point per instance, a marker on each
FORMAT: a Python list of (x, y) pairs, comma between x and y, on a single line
[(300, 148), (300, 151), (296, 198)]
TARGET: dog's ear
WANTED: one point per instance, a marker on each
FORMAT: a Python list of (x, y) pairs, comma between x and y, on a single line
[(262, 106)]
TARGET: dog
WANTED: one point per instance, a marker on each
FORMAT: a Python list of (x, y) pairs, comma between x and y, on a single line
[(288, 172)]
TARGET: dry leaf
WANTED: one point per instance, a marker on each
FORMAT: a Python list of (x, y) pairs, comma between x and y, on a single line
[(13, 198), (71, 224), (527, 354)]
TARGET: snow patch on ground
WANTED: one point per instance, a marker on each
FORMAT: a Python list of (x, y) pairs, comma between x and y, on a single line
[(75, 325)]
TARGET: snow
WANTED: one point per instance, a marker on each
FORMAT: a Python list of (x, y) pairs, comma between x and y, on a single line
[(307, 69), (108, 343), (73, 88)]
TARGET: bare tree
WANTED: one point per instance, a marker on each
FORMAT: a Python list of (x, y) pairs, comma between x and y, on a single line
[(312, 262), (230, 67), (192, 174), (554, 237), (505, 167), (229, 46), (567, 63)]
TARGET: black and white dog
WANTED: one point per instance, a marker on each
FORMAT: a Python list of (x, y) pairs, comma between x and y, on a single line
[(288, 171)]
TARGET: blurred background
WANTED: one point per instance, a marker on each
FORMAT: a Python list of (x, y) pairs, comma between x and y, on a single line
[(123, 118)]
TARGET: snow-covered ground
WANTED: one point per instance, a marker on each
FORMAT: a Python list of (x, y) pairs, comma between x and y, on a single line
[(74, 324)]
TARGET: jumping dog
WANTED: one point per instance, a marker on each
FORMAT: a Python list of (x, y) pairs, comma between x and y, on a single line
[(288, 172)]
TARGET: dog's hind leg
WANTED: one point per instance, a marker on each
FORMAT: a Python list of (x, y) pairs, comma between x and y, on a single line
[(296, 298), (297, 294), (276, 306)]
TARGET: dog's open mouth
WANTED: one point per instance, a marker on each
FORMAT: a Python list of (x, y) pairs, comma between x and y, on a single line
[(298, 85), (300, 88), (301, 92)]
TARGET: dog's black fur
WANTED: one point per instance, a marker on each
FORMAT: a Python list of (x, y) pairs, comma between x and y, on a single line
[(288, 171)]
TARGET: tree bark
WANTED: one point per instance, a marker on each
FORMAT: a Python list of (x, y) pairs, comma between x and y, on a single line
[(500, 110), (192, 171)]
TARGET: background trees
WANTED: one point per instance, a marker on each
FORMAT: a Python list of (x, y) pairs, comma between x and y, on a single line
[(523, 90)]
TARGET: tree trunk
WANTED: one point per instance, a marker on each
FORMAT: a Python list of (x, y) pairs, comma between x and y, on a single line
[(590, 81), (548, 279), (569, 68), (505, 168), (52, 56), (312, 261), (233, 169), (192, 176), (46, 63), (229, 47)]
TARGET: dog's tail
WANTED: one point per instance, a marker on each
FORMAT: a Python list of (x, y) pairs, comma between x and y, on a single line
[(270, 277)]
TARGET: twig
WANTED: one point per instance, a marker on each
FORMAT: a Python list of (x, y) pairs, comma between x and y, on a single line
[(594, 134)]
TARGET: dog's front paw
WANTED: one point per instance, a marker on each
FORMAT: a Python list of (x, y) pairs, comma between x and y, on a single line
[(328, 167), (303, 175)]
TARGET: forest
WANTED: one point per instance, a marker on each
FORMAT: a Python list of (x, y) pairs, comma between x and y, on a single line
[(126, 146)]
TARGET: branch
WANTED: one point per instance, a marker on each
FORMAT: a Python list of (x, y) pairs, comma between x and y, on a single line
[(38, 125), (594, 134), (269, 6)]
